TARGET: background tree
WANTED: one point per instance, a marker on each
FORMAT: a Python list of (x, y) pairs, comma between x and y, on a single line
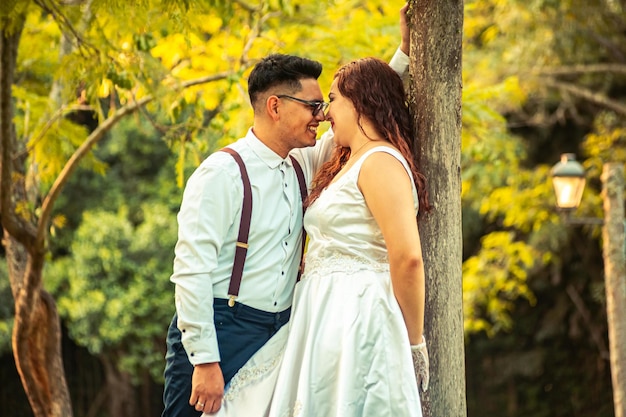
[(558, 68), (112, 283)]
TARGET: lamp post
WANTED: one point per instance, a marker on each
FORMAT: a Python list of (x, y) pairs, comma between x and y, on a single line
[(569, 181)]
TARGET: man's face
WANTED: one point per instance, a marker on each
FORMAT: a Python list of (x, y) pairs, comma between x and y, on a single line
[(298, 125)]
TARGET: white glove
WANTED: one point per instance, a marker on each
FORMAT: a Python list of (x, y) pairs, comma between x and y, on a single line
[(421, 364)]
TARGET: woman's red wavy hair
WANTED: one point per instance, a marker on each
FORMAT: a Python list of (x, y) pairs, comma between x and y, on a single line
[(377, 93)]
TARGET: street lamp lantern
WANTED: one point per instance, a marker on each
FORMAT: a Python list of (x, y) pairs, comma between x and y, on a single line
[(568, 180)]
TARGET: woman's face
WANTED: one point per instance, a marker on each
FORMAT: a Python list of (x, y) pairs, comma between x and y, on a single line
[(342, 116)]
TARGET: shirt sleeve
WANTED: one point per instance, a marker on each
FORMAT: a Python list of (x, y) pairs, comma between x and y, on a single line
[(400, 64), (207, 212)]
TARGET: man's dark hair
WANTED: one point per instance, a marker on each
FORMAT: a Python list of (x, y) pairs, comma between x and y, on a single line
[(279, 69)]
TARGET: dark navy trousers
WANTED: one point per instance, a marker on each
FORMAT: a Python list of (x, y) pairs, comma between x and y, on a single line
[(241, 331)]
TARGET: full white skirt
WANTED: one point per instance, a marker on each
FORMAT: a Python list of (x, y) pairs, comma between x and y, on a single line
[(347, 352)]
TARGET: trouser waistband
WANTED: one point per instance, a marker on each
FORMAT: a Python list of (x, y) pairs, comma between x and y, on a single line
[(255, 315)]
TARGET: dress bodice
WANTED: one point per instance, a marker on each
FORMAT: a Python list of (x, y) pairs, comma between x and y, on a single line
[(340, 224)]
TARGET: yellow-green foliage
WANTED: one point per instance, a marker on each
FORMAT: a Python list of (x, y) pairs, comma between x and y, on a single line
[(493, 279), (606, 143)]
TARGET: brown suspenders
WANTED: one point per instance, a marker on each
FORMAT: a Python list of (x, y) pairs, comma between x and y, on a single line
[(244, 226), (303, 195)]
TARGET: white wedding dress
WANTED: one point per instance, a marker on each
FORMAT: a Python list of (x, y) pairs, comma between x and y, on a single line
[(347, 351)]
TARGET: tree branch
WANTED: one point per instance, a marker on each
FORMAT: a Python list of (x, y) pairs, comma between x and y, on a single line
[(586, 94), (582, 69), (15, 225), (584, 313), (248, 7), (611, 47), (92, 139), (60, 113)]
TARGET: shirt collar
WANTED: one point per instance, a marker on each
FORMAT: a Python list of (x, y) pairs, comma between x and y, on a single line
[(265, 154)]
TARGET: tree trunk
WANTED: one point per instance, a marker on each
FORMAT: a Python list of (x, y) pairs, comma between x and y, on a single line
[(122, 401), (37, 350), (615, 277), (435, 100), (36, 332)]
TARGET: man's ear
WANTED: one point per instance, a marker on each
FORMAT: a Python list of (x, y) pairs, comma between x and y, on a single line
[(272, 104)]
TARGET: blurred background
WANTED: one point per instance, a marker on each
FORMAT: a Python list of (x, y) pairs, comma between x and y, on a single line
[(540, 78)]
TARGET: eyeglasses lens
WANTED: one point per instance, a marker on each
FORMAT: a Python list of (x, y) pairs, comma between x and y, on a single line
[(319, 107)]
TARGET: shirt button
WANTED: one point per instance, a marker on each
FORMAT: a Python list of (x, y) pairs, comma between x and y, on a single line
[(192, 354), (282, 272), (286, 243)]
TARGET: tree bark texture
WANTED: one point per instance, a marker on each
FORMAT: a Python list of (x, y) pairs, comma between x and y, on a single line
[(122, 398), (36, 333), (435, 87), (615, 278)]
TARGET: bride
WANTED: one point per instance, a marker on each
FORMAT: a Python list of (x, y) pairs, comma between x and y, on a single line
[(354, 346)]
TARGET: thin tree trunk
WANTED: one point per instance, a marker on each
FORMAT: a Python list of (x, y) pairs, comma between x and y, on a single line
[(613, 237), (121, 393), (36, 332), (435, 99), (37, 352)]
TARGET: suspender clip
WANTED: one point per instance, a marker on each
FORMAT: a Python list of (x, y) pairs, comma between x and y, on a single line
[(231, 300)]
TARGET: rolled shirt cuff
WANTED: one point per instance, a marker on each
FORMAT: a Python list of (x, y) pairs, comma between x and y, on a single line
[(400, 63)]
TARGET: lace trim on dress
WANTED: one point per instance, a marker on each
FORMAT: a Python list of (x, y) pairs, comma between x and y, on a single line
[(248, 374), (349, 264), (294, 411)]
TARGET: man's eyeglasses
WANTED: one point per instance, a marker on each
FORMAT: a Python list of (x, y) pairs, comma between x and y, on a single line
[(316, 106)]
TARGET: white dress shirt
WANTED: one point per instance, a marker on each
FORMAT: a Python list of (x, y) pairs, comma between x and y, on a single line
[(208, 225)]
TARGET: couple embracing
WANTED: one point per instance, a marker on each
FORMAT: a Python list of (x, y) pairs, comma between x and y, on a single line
[(351, 343)]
